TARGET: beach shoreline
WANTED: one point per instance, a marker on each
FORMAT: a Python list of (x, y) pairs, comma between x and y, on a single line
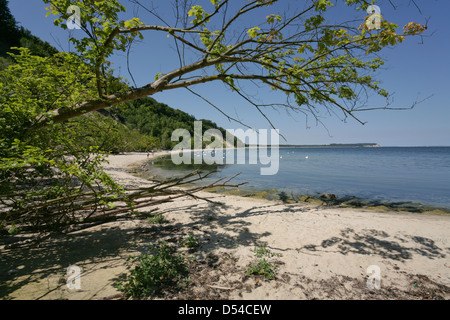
[(349, 201), (325, 252)]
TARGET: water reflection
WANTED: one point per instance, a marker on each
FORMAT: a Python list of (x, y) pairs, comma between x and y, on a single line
[(163, 167)]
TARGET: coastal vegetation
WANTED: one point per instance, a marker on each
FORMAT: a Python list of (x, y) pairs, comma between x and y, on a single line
[(141, 125), (163, 268), (157, 121), (263, 266), (61, 113)]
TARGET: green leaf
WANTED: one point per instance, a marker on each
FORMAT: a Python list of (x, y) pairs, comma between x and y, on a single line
[(253, 32), (322, 5)]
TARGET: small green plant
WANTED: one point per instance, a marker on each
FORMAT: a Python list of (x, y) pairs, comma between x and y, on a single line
[(190, 241), (262, 251), (157, 218), (283, 196), (262, 266), (163, 269)]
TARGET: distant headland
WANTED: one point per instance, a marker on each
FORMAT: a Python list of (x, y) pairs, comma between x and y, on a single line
[(333, 145)]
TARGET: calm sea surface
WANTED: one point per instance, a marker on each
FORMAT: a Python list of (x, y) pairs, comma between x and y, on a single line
[(411, 174)]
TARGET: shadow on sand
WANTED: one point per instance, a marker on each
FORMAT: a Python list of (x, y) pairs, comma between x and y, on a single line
[(111, 244), (376, 242)]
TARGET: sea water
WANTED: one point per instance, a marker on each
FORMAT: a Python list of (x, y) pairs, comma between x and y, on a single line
[(404, 174)]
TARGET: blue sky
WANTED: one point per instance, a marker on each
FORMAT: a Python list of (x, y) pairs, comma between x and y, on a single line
[(414, 70)]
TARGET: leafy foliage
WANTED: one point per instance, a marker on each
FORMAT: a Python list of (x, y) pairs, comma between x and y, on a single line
[(101, 20), (262, 266), (156, 219), (299, 53), (156, 271), (190, 241), (112, 136), (158, 120), (38, 168)]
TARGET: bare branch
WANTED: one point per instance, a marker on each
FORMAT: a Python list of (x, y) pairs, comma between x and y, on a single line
[(217, 108)]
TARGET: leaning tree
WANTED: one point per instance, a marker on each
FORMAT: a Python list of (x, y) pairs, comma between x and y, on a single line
[(298, 52)]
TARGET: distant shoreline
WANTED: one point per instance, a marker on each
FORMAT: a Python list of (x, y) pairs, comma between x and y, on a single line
[(353, 145), (332, 145), (356, 145), (347, 146)]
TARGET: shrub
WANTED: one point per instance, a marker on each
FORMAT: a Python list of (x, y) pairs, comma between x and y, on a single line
[(157, 218), (190, 241), (164, 269), (283, 196), (263, 266)]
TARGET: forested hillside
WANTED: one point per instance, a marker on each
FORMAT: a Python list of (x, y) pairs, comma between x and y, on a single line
[(158, 120), (12, 35)]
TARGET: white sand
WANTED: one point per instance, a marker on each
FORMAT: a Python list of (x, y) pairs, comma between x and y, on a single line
[(325, 250)]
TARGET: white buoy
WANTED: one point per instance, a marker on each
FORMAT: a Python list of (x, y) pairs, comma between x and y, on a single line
[(306, 157)]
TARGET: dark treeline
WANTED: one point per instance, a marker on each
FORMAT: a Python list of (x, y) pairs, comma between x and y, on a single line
[(13, 35)]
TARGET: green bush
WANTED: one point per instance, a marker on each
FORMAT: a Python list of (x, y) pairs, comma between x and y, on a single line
[(283, 196), (157, 218), (164, 269), (190, 241), (262, 266)]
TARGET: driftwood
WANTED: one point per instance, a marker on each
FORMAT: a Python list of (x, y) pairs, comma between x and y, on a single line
[(221, 288), (87, 211), (114, 296)]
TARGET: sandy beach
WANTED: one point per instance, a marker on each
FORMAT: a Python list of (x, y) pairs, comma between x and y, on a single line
[(323, 252)]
